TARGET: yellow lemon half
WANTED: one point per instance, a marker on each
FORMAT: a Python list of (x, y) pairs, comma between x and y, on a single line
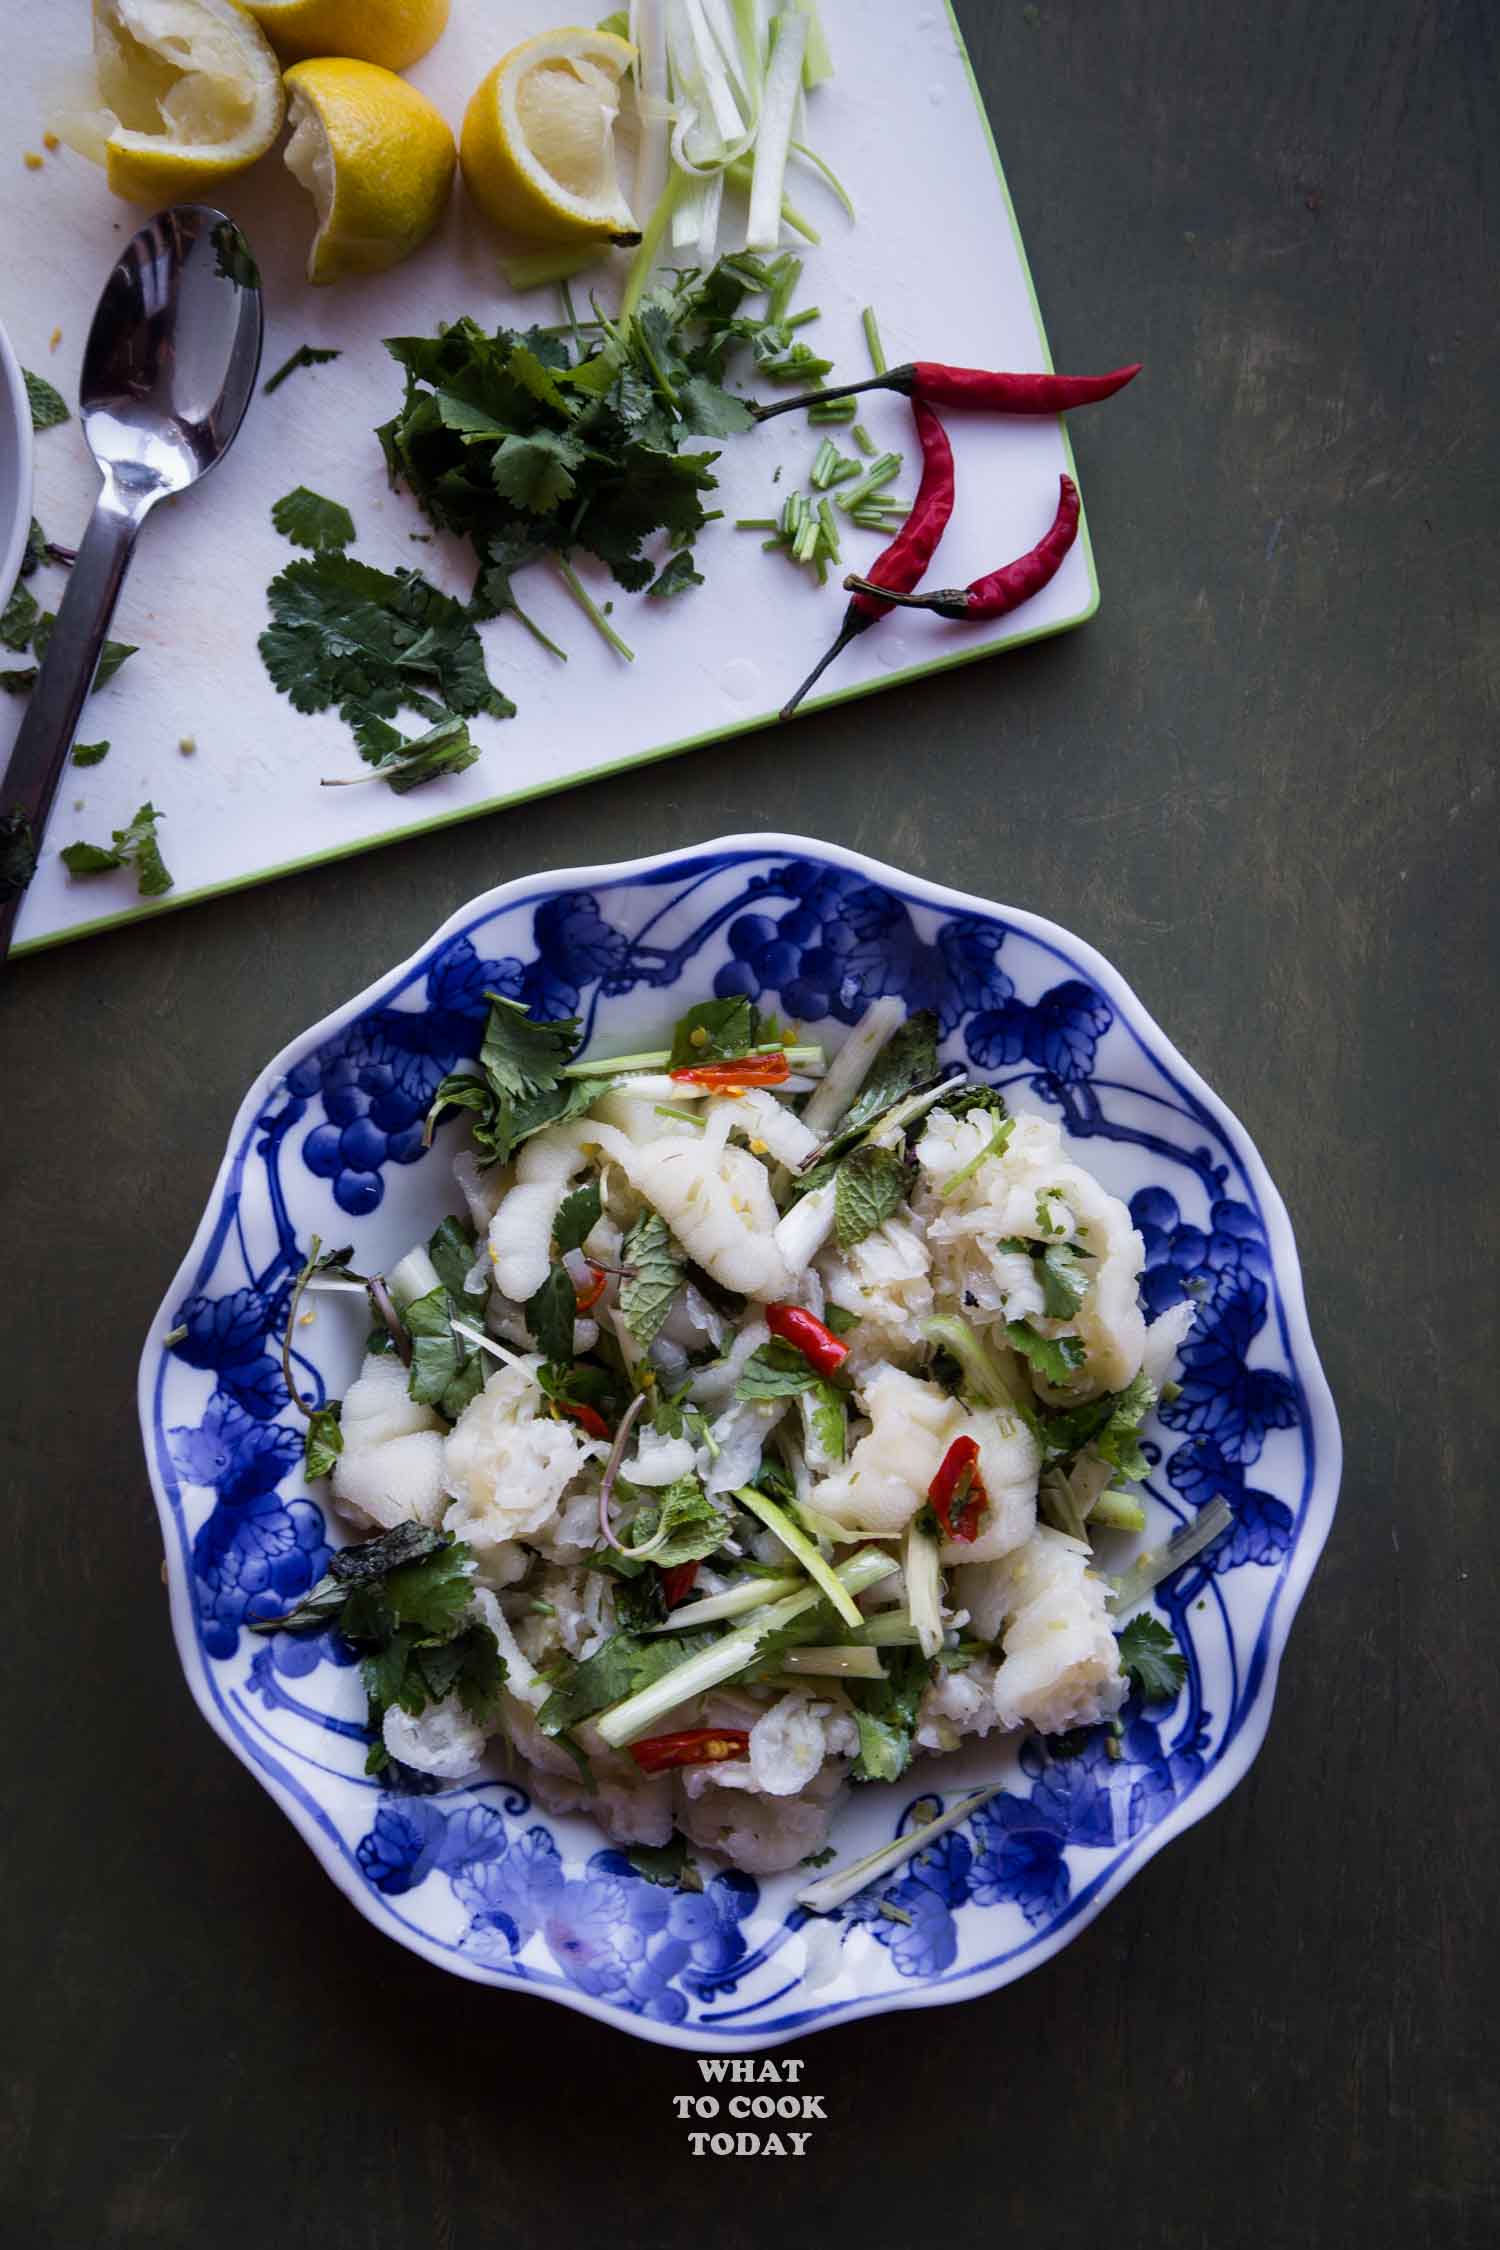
[(393, 33), (539, 140), (376, 158), (185, 92)]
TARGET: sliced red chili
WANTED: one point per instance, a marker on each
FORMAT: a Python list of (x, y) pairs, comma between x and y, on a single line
[(731, 1077), (585, 1299), (678, 1582), (957, 1491), (696, 1746), (807, 1334), (587, 1417)]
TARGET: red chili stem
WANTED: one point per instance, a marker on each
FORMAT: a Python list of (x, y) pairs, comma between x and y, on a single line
[(905, 560), (808, 1335), (992, 390), (1005, 589), (695, 1746)]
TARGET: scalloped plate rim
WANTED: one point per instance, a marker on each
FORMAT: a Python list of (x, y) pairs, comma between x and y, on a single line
[(1230, 1765)]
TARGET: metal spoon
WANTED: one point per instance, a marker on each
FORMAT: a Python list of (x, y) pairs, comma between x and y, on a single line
[(168, 372)]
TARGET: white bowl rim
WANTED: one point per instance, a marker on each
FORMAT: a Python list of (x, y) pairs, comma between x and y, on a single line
[(1324, 1439), (14, 404)]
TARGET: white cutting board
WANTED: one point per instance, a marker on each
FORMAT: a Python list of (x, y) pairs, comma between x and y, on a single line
[(936, 251)]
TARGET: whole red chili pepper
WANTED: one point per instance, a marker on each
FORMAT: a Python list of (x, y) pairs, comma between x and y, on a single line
[(992, 390), (807, 1334), (958, 1485), (905, 560), (696, 1746), (730, 1077), (1005, 589), (678, 1582), (587, 1417)]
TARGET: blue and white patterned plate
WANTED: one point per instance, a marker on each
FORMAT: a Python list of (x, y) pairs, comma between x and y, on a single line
[(477, 1878)]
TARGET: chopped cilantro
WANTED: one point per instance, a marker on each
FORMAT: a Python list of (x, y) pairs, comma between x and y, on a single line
[(18, 619), (907, 1060), (48, 406), (133, 846), (520, 1087), (1150, 1656), (322, 1443), (667, 1864), (675, 577), (306, 355), (551, 1311), (90, 753), (714, 1031), (623, 1666), (1056, 1359), (308, 520)]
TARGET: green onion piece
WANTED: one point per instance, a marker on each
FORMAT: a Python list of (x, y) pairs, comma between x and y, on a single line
[(843, 470), (872, 340), (882, 470), (792, 1536), (830, 535), (1117, 1511), (731, 1653), (832, 1890), (819, 164), (733, 1602), (863, 440), (801, 319), (924, 1585), (756, 523), (673, 1109), (832, 410), (823, 462), (834, 1663), (817, 62), (994, 1146), (787, 271), (652, 235), (889, 1628)]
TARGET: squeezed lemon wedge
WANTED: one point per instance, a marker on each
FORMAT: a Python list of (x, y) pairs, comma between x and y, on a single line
[(376, 158), (538, 145), (182, 94), (393, 33)]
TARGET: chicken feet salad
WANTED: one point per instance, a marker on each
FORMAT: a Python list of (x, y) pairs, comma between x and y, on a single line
[(752, 1431)]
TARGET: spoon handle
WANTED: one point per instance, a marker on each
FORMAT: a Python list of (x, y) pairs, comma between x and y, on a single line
[(67, 673)]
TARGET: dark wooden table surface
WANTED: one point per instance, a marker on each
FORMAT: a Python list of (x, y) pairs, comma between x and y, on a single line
[(1263, 782)]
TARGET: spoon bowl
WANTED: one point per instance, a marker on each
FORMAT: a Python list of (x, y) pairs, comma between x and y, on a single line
[(168, 371)]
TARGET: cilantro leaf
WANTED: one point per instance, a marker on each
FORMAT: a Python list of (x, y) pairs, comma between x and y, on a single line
[(1110, 1424), (520, 1056), (577, 1216), (869, 1186), (536, 471), (908, 1059), (675, 578), (885, 1712), (306, 355), (346, 634), (446, 1372), (133, 846), (322, 1442), (308, 520), (90, 753), (825, 1407), (551, 1311), (1056, 1359), (48, 407), (777, 1370), (1150, 1656), (708, 410), (647, 1292), (21, 682), (1064, 1282), (714, 1031)]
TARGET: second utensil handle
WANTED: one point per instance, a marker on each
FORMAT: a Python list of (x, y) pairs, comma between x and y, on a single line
[(66, 675)]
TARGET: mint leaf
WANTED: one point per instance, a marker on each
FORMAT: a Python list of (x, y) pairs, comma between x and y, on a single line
[(308, 520), (622, 1666), (1150, 1656), (692, 1524), (17, 852), (18, 619), (48, 406), (1056, 1359), (869, 1187), (550, 1314), (675, 578), (90, 753), (406, 762), (777, 1370), (667, 1864), (577, 1216), (647, 1292), (322, 1442), (908, 1059)]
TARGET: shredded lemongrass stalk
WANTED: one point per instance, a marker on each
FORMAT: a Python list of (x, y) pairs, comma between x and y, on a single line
[(658, 1058), (832, 1890), (984, 1380), (872, 340), (834, 1663), (802, 1231), (1117, 1511), (817, 62), (778, 108), (732, 1653), (889, 1628), (648, 251), (811, 156), (850, 1067), (652, 161), (794, 1538), (740, 175), (174, 1336), (753, 1593), (483, 1343), (1149, 1569), (924, 1585), (889, 1127)]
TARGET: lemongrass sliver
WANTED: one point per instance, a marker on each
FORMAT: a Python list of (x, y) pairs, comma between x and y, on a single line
[(774, 140), (832, 1890)]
